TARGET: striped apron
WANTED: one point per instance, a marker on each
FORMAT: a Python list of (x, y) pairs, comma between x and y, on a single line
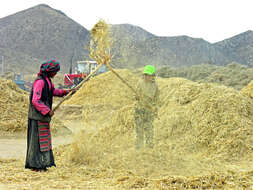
[(44, 136)]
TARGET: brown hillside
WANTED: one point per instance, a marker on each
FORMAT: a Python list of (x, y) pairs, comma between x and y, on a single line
[(41, 33)]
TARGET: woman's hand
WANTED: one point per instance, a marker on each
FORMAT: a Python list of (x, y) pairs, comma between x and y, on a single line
[(73, 90), (51, 113)]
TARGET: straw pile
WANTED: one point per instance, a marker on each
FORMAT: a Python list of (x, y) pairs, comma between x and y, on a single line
[(202, 130), (105, 90), (13, 106), (103, 155), (248, 90)]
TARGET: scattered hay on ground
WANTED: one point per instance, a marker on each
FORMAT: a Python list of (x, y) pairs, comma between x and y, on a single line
[(69, 176)]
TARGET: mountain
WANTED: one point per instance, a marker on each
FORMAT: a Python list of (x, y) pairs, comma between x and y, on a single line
[(125, 38), (171, 51), (238, 48), (40, 33)]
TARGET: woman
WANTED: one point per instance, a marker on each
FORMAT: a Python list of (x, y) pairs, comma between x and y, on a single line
[(39, 154)]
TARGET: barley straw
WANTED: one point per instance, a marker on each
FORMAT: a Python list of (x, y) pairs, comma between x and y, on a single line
[(248, 90), (101, 42), (14, 104), (13, 107), (204, 130)]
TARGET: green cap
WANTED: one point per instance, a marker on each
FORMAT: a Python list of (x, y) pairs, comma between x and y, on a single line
[(149, 70)]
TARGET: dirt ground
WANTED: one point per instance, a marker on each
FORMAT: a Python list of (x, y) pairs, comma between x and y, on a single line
[(15, 147)]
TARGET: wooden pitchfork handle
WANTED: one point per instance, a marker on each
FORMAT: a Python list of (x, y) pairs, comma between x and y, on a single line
[(77, 87), (123, 80), (129, 86)]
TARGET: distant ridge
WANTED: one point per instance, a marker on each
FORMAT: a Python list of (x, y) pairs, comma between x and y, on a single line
[(238, 48), (33, 35)]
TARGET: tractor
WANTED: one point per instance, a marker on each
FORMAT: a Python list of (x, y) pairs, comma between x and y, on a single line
[(83, 69)]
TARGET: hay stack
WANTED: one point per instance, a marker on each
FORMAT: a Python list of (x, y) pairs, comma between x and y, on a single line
[(198, 123), (102, 96), (210, 118), (248, 90), (14, 104)]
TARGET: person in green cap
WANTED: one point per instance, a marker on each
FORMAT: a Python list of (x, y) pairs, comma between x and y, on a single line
[(146, 107)]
